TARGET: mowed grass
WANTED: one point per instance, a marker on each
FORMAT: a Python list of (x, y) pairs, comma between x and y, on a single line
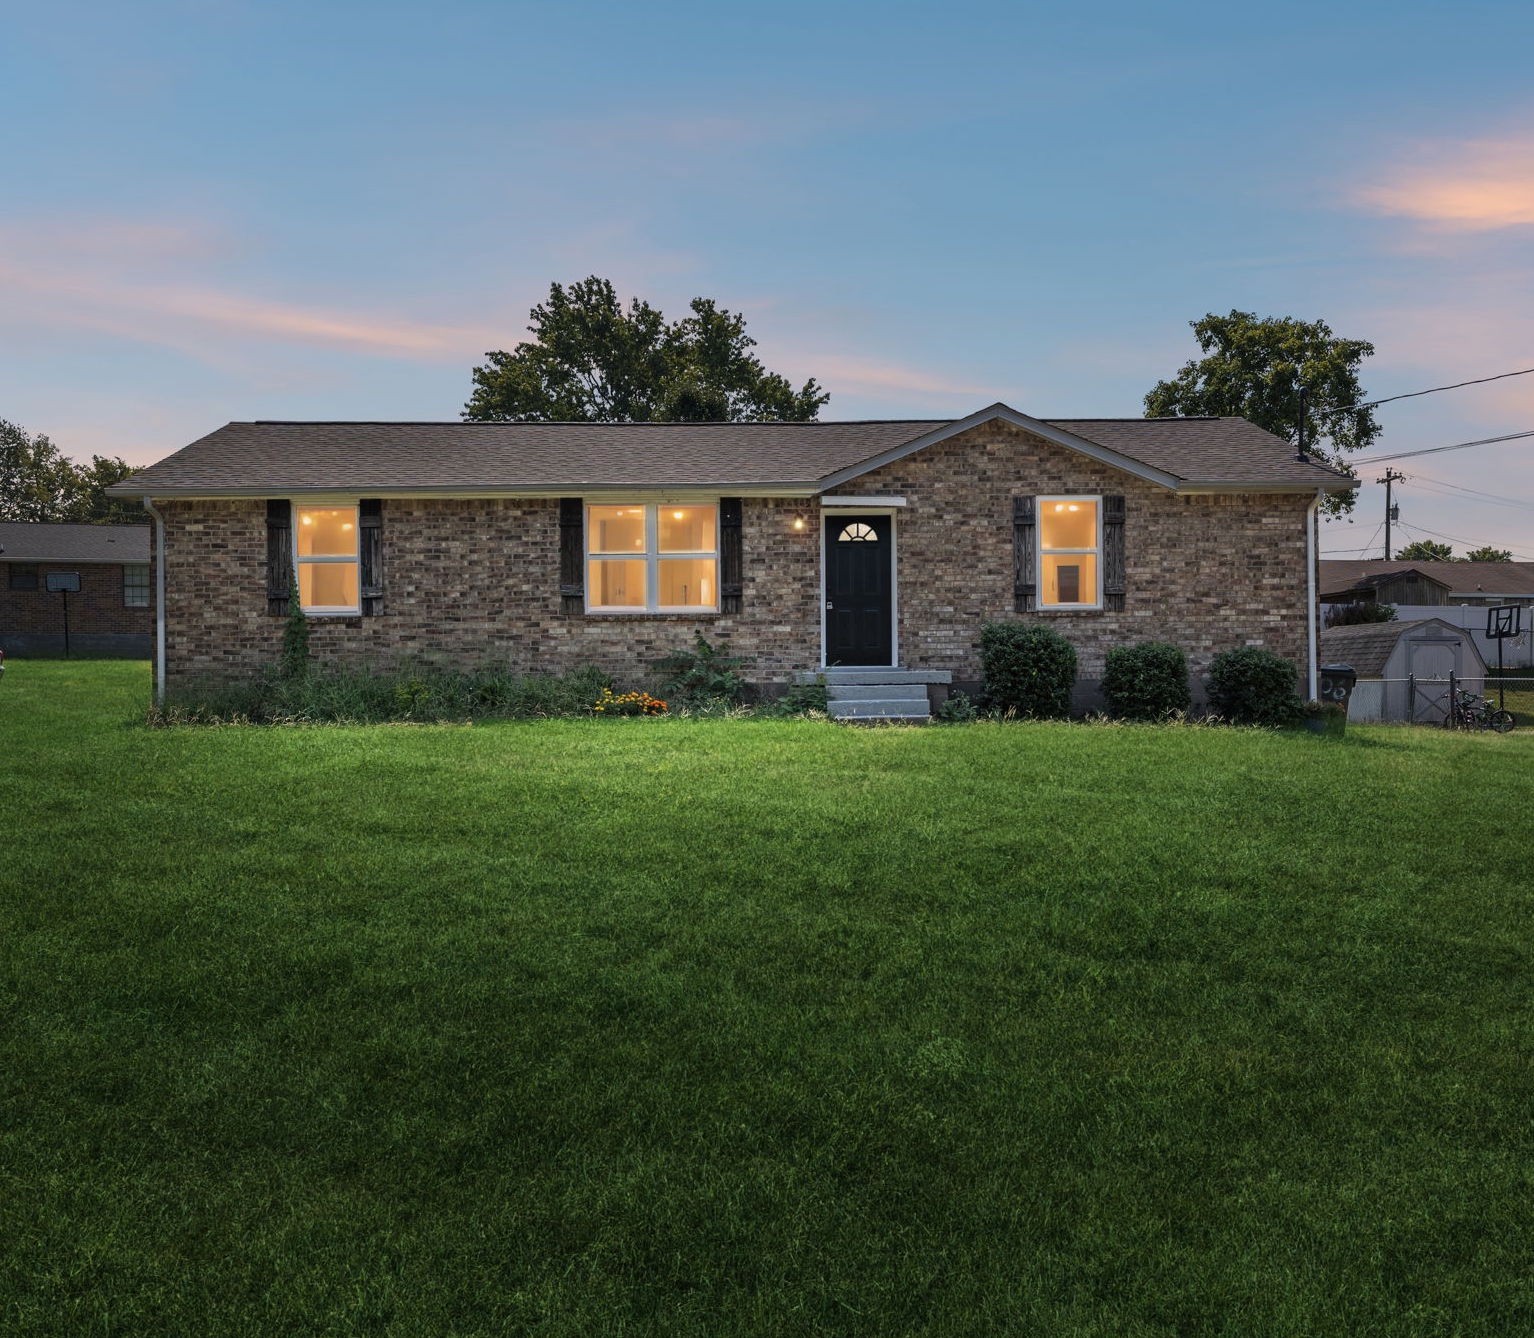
[(763, 1027)]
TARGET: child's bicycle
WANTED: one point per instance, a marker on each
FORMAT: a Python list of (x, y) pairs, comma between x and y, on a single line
[(1468, 711)]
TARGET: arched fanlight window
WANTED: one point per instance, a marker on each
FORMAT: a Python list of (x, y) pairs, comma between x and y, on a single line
[(857, 533)]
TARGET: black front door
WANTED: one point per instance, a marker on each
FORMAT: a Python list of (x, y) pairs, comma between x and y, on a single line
[(859, 575)]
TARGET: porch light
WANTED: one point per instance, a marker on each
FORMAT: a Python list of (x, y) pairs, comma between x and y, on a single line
[(799, 522)]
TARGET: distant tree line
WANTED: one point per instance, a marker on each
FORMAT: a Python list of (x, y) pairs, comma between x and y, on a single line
[(38, 482)]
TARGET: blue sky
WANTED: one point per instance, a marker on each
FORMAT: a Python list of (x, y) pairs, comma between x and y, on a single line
[(221, 209)]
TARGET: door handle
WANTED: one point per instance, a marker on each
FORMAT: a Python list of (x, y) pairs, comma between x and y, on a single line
[(828, 606)]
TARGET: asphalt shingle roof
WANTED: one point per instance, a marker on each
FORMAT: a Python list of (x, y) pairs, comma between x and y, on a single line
[(1462, 578), (31, 542), (380, 458), (1368, 646)]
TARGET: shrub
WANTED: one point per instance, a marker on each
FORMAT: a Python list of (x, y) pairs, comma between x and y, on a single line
[(1148, 682), (958, 709), (1253, 687), (1028, 668), (1360, 611), (357, 696), (802, 699), (704, 673)]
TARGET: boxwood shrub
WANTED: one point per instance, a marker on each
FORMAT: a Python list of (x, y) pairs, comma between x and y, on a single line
[(1028, 669), (1148, 682), (1254, 687)]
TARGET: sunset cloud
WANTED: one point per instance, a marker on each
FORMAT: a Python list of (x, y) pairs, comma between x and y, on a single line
[(1467, 185), (141, 281)]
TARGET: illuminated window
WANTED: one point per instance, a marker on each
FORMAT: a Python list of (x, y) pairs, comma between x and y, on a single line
[(657, 557), (857, 533), (1070, 553), (325, 544), (136, 585)]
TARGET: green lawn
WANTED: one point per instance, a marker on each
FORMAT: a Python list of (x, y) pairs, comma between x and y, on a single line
[(771, 1027)]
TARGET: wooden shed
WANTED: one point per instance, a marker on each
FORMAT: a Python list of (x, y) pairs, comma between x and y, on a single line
[(1404, 668)]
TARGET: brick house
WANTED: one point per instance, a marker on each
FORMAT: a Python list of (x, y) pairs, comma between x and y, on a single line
[(111, 608), (873, 548)]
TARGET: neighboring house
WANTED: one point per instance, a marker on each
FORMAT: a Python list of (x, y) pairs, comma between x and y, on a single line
[(1404, 667), (1458, 592), (882, 545), (112, 613), (1421, 584)]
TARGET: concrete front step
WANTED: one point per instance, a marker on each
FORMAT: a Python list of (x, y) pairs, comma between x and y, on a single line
[(866, 677), (847, 692), (863, 709)]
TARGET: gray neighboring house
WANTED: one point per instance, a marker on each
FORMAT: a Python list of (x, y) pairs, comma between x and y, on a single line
[(1403, 667)]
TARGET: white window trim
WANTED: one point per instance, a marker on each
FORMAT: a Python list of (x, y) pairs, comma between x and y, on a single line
[(1040, 551), (297, 504), (652, 557)]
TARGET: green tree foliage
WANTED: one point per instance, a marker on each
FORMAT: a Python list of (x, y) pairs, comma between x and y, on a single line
[(1253, 368), (1425, 550), (39, 483), (1489, 555), (593, 360), (1360, 611)]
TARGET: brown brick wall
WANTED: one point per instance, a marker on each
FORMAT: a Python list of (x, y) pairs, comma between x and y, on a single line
[(1205, 573), (471, 583), (477, 581), (33, 619)]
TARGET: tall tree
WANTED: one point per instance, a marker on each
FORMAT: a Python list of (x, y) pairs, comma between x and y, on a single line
[(1489, 555), (1253, 368), (593, 360), (1425, 550), (38, 482)]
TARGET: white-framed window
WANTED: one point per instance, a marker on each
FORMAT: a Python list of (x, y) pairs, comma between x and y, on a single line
[(1070, 552), (327, 558), (652, 557), (136, 585)]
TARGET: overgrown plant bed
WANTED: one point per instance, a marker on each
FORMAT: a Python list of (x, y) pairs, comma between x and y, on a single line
[(579, 1027)]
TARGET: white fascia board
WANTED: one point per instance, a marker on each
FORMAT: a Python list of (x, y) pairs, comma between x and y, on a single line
[(861, 501), (1006, 414)]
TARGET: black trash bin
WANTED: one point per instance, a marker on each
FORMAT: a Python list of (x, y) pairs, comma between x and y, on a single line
[(1333, 689)]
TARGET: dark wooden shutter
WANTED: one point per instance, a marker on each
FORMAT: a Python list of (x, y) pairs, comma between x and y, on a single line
[(370, 518), (572, 554), (731, 563), (1025, 587), (279, 555), (1113, 554)]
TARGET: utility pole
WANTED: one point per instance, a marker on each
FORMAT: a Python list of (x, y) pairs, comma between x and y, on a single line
[(1391, 512), (1300, 452)]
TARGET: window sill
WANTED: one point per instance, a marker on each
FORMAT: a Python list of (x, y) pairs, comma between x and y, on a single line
[(653, 613)]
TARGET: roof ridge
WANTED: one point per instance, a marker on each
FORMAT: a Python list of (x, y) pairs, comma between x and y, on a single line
[(568, 422)]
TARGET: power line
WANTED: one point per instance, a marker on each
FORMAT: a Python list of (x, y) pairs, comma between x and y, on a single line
[(1413, 394), (1434, 450), (1480, 499), (1474, 492), (1452, 538)]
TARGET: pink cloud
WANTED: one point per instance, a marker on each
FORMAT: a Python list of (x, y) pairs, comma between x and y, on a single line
[(132, 279), (1469, 185)]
